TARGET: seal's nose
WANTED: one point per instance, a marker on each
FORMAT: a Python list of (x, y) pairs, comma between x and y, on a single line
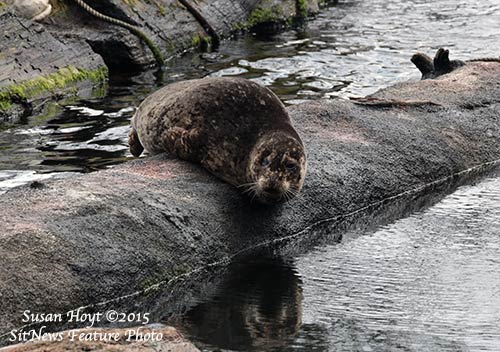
[(272, 189)]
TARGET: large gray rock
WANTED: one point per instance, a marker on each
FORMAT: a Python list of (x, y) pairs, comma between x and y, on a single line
[(111, 233)]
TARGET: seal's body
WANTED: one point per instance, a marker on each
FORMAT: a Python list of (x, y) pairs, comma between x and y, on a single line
[(235, 128)]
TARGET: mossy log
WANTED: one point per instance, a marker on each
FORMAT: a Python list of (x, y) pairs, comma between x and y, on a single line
[(77, 241), (36, 64), (32, 53)]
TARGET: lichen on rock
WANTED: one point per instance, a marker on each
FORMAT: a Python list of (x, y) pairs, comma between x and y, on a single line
[(49, 84)]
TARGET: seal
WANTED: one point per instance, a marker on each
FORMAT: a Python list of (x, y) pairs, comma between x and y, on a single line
[(441, 64), (235, 128)]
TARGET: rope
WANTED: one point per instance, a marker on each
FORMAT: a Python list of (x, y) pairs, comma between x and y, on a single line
[(485, 59), (133, 29)]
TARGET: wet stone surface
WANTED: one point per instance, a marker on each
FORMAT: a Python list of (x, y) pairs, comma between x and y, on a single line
[(350, 49)]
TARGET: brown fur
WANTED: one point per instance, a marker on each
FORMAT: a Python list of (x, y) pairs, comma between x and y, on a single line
[(229, 126)]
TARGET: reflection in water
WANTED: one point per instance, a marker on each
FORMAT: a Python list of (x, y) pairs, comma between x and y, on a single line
[(352, 48), (259, 305), (428, 282)]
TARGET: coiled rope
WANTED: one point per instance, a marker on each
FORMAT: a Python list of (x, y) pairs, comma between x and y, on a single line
[(133, 29)]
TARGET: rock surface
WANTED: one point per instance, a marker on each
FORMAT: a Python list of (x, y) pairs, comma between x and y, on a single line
[(111, 233)]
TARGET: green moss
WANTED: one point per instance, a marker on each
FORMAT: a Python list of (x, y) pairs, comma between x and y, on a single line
[(5, 104), (206, 43), (161, 9), (301, 6), (202, 42), (237, 26), (195, 40), (130, 3), (49, 84), (264, 15), (2, 4), (174, 6)]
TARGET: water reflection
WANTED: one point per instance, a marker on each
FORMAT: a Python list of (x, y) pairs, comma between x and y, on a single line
[(259, 305), (428, 282)]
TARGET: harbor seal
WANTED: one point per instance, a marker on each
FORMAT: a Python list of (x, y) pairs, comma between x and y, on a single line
[(235, 128)]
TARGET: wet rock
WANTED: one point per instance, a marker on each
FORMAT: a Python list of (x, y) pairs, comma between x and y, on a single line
[(99, 236)]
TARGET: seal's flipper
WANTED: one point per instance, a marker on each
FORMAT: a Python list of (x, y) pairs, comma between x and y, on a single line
[(423, 62), (439, 66), (442, 60), (181, 142), (442, 63), (134, 143)]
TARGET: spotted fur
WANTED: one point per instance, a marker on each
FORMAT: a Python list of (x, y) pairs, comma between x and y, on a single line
[(235, 128)]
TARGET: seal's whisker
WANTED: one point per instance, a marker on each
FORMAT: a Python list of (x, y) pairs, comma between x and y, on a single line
[(295, 192), (292, 193), (254, 195), (250, 188), (287, 196), (246, 184)]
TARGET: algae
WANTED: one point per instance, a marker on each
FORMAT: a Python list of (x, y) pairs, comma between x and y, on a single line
[(273, 14), (195, 40), (130, 3), (50, 83), (301, 6), (202, 42), (265, 15)]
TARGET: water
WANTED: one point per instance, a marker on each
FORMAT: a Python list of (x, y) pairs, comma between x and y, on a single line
[(350, 49), (428, 282)]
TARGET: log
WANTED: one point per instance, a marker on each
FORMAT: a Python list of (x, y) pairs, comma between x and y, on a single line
[(87, 239), (35, 63), (32, 53)]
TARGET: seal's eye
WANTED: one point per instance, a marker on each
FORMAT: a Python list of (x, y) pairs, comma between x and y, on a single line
[(265, 161), (290, 166)]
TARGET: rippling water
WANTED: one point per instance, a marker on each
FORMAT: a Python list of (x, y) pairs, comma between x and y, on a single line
[(429, 282), (352, 48)]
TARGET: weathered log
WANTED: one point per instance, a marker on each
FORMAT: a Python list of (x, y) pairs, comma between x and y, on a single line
[(77, 241), (34, 63), (33, 54)]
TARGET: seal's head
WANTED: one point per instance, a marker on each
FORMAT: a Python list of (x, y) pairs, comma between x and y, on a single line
[(277, 167)]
